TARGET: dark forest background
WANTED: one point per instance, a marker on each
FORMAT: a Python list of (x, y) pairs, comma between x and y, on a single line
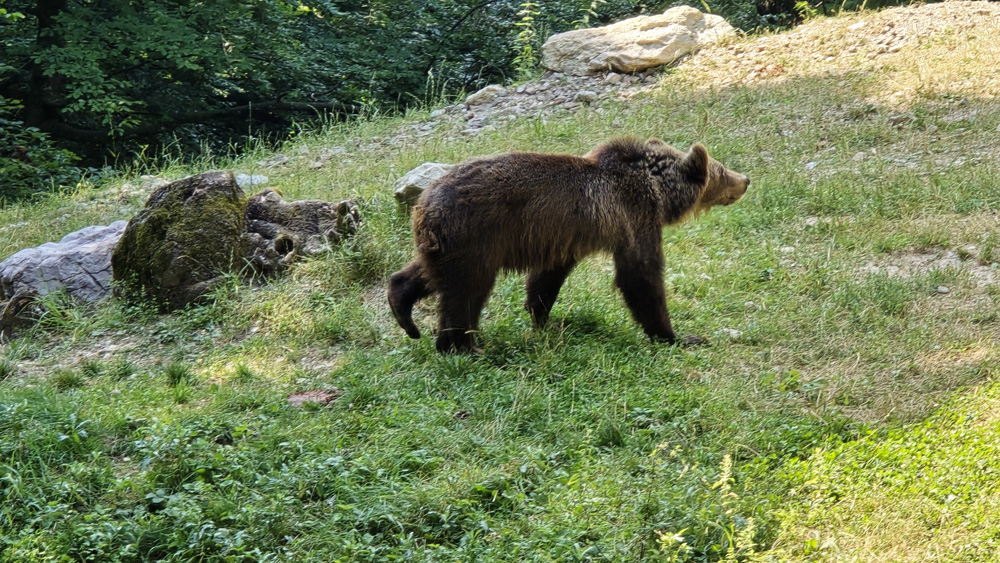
[(86, 85)]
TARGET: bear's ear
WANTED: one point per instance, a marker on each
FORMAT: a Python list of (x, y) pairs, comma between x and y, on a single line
[(695, 165)]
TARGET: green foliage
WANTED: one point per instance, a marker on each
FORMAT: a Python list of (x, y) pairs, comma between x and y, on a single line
[(587, 14), (31, 162), (179, 374), (8, 368), (110, 75), (121, 368), (244, 373), (526, 42), (66, 379)]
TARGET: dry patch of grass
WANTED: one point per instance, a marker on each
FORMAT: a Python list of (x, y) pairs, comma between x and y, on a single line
[(960, 35)]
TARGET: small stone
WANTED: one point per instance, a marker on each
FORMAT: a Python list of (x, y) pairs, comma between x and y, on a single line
[(859, 156), (613, 78), (408, 188), (486, 95), (247, 181), (786, 249), (730, 333), (900, 119), (811, 165), (943, 289), (437, 113), (585, 97), (274, 161)]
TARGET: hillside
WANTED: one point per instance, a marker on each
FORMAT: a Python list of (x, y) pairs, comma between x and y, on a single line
[(845, 411)]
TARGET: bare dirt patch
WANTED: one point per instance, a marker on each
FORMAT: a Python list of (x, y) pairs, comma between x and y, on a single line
[(907, 264), (316, 397)]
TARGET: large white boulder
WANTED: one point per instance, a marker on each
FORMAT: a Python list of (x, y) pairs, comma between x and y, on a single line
[(634, 44)]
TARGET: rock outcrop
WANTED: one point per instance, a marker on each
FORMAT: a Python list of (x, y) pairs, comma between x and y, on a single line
[(408, 188), (79, 264), (634, 44), (182, 243), (278, 232), (195, 231)]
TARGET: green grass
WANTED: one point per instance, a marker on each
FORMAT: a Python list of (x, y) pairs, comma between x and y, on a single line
[(840, 389)]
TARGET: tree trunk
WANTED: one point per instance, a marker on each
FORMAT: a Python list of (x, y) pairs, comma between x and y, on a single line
[(44, 101)]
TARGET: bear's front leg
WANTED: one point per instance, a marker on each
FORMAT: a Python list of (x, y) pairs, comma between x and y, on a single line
[(639, 276)]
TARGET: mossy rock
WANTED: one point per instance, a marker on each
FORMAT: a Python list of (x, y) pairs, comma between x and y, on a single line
[(183, 242)]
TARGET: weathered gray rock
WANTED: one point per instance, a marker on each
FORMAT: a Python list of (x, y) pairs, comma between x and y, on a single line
[(183, 242), (486, 95), (247, 181), (408, 188), (79, 264), (634, 44), (278, 232)]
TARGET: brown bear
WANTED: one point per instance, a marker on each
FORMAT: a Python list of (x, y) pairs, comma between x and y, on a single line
[(543, 213)]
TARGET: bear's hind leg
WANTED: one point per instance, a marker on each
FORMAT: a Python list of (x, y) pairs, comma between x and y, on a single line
[(459, 318), (406, 287), (542, 288)]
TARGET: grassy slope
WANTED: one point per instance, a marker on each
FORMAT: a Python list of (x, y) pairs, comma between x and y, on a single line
[(126, 435)]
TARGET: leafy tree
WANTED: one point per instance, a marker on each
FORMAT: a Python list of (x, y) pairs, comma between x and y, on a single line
[(92, 75)]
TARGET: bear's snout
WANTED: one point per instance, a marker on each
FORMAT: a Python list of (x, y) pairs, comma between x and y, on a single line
[(738, 186)]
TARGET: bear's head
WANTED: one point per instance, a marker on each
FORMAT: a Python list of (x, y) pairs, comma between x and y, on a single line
[(723, 186), (716, 184)]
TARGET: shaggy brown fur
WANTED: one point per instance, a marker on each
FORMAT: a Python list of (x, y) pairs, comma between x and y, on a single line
[(543, 213)]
